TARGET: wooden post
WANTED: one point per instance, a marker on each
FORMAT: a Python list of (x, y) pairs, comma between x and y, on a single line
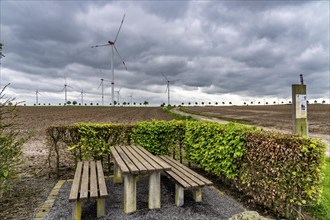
[(299, 110)]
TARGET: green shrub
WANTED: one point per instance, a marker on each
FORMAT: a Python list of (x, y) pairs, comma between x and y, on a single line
[(282, 172), (158, 137), (10, 143), (216, 147)]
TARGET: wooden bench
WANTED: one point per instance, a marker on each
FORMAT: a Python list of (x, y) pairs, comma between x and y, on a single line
[(88, 183), (185, 178)]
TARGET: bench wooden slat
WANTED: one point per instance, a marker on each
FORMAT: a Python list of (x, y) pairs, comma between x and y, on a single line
[(102, 187), (84, 181), (182, 175), (179, 170), (74, 193), (200, 177), (131, 166), (134, 159), (119, 161), (145, 154), (178, 179), (93, 180), (140, 158)]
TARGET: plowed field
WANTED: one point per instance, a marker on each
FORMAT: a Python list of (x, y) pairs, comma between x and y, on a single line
[(273, 116), (33, 185)]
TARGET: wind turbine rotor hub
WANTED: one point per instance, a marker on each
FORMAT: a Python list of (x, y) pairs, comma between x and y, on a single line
[(111, 42)]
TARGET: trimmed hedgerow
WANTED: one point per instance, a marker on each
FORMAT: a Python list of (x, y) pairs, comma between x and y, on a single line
[(282, 172)]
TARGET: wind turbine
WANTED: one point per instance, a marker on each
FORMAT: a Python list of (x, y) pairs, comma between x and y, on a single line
[(37, 92), (82, 97), (65, 89), (131, 96), (113, 46), (168, 87), (101, 84), (118, 96)]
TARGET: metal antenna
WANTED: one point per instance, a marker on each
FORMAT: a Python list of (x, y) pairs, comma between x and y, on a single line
[(168, 87), (301, 79), (112, 44)]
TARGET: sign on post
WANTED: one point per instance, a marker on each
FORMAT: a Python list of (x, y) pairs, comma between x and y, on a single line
[(299, 109)]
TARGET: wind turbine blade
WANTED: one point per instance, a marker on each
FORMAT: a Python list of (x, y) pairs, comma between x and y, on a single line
[(120, 57), (166, 88), (69, 86), (100, 84), (103, 45), (165, 77), (122, 21)]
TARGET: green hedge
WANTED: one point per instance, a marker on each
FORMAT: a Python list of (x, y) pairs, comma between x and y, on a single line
[(279, 171)]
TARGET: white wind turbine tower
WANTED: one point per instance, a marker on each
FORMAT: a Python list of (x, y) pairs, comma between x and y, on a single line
[(65, 90), (113, 46), (82, 96), (37, 93), (118, 96), (168, 87), (131, 99), (101, 84)]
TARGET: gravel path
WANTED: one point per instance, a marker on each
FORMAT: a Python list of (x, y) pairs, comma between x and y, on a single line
[(214, 205)]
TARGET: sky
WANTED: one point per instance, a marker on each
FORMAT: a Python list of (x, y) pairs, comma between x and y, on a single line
[(210, 51)]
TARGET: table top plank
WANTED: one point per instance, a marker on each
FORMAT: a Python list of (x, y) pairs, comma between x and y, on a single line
[(119, 160), (93, 180), (102, 187), (76, 183), (141, 158), (84, 181), (131, 166), (164, 166), (148, 157), (136, 159)]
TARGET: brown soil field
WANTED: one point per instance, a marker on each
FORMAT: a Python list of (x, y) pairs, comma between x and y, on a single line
[(277, 117), (32, 186)]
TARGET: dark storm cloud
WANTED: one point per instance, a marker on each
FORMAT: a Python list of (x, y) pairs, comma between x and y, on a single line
[(247, 48)]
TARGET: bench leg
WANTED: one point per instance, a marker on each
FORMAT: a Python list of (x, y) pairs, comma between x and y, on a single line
[(118, 177), (154, 190), (100, 207), (76, 210), (129, 193), (197, 194), (179, 195)]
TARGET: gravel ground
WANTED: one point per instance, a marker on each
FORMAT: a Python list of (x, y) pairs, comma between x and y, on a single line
[(213, 206)]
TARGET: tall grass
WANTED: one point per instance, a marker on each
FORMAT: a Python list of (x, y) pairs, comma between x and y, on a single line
[(322, 210)]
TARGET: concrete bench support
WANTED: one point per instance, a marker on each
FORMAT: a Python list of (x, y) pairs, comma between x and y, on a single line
[(197, 194), (179, 195), (118, 176)]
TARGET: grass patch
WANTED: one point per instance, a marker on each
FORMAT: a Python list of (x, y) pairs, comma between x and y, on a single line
[(235, 120), (322, 210), (167, 109)]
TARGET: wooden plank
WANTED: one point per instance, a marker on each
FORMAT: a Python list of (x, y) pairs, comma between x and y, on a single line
[(141, 159), (156, 159), (124, 169), (178, 179), (93, 180), (102, 187), (200, 177), (183, 175), (131, 166), (148, 157), (189, 177), (135, 160), (84, 181), (74, 193)]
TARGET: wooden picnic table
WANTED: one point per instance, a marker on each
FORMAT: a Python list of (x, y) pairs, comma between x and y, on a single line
[(131, 162)]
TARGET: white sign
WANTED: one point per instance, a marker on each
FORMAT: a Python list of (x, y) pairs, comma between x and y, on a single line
[(301, 106)]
